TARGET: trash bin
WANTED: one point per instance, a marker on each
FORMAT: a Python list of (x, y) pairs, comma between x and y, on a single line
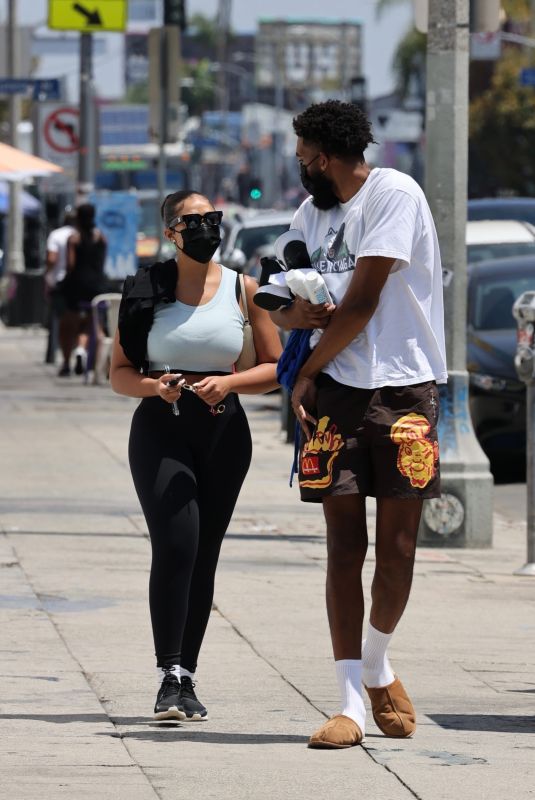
[(26, 304)]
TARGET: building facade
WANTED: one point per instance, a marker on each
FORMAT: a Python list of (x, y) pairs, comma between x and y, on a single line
[(299, 61)]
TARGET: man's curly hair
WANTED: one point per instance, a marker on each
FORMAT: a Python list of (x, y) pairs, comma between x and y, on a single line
[(339, 129)]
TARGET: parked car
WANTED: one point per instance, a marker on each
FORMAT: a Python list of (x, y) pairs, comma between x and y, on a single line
[(519, 208), (248, 235), (488, 239), (497, 396)]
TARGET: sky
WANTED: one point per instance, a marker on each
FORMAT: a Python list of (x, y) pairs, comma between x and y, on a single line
[(380, 35)]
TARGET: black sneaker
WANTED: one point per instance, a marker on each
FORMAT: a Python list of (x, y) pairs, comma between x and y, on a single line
[(167, 701), (188, 702), (64, 371)]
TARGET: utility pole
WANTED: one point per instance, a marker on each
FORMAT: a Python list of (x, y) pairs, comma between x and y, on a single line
[(463, 515), (86, 156), (223, 26), (15, 234), (163, 126)]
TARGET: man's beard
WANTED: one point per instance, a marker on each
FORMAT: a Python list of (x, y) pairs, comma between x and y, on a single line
[(321, 189)]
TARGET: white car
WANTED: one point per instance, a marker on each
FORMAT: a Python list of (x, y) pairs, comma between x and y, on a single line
[(251, 236), (498, 238)]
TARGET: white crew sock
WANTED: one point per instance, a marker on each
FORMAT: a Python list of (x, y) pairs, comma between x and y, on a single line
[(186, 673), (376, 669), (161, 672), (349, 675)]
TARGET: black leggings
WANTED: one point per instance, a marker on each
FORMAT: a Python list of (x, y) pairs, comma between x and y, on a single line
[(188, 471)]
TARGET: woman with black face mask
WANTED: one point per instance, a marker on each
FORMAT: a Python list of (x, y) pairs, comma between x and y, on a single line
[(181, 331)]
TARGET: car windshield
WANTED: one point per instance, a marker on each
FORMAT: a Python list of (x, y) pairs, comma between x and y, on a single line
[(250, 239), (493, 300), (483, 252)]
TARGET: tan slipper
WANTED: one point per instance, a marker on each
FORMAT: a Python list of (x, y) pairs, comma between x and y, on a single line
[(392, 710), (338, 732)]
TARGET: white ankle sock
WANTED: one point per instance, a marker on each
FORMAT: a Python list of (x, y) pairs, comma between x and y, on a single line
[(376, 669), (186, 673), (349, 675), (161, 672)]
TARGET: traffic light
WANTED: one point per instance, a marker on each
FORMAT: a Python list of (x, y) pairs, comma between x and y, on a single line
[(174, 13), (255, 189)]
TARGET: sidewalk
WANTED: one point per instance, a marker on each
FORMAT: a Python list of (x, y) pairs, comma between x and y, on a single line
[(77, 669)]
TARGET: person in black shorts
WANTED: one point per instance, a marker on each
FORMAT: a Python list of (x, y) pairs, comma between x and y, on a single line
[(181, 331), (367, 396), (85, 279)]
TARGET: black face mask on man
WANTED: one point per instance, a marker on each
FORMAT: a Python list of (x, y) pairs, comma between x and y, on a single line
[(201, 243), (320, 187)]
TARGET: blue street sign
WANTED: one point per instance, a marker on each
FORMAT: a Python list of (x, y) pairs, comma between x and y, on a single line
[(527, 77), (46, 89), (39, 88)]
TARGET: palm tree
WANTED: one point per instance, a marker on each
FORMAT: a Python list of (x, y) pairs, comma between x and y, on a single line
[(383, 5), (408, 63)]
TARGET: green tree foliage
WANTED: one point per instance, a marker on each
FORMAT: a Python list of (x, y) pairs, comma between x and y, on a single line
[(408, 59), (502, 130), (198, 93)]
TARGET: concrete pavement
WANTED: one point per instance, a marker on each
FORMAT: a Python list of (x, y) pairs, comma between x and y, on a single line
[(76, 652)]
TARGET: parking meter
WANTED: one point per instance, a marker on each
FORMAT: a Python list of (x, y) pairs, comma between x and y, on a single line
[(524, 313)]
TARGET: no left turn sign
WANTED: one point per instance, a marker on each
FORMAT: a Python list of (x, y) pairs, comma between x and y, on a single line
[(61, 130)]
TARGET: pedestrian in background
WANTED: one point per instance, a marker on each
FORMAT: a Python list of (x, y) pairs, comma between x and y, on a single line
[(366, 397), (181, 330), (55, 271), (84, 279)]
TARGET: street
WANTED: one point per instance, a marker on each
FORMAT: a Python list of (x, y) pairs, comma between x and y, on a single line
[(78, 679)]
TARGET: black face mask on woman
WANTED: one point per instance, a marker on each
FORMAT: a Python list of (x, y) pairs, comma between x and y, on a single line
[(321, 189), (201, 243)]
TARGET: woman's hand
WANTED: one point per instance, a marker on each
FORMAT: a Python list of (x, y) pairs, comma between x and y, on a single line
[(303, 397), (169, 393), (213, 390)]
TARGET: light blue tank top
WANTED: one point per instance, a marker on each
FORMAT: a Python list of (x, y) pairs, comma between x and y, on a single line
[(205, 338)]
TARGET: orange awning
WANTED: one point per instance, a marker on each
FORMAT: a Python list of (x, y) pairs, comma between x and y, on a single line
[(16, 165)]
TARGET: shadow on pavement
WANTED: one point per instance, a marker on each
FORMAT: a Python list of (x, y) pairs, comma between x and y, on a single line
[(495, 723), (61, 719), (181, 734)]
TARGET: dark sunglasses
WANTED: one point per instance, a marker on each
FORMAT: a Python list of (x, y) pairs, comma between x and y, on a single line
[(194, 221)]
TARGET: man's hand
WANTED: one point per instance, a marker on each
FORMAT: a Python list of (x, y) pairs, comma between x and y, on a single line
[(303, 398), (304, 315)]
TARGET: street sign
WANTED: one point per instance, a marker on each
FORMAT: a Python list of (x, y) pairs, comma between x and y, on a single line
[(39, 88), (62, 130), (57, 136), (527, 77), (87, 16)]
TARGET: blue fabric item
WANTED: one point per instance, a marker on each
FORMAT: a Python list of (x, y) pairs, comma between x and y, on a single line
[(296, 351)]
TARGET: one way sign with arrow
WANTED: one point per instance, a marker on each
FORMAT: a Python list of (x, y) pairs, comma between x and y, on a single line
[(87, 16)]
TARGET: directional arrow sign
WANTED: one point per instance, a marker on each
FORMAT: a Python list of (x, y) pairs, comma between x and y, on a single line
[(87, 16)]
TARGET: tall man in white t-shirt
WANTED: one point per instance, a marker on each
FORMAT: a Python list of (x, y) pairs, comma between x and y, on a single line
[(367, 397)]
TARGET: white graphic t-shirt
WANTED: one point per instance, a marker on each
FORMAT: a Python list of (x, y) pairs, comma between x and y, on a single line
[(403, 343)]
